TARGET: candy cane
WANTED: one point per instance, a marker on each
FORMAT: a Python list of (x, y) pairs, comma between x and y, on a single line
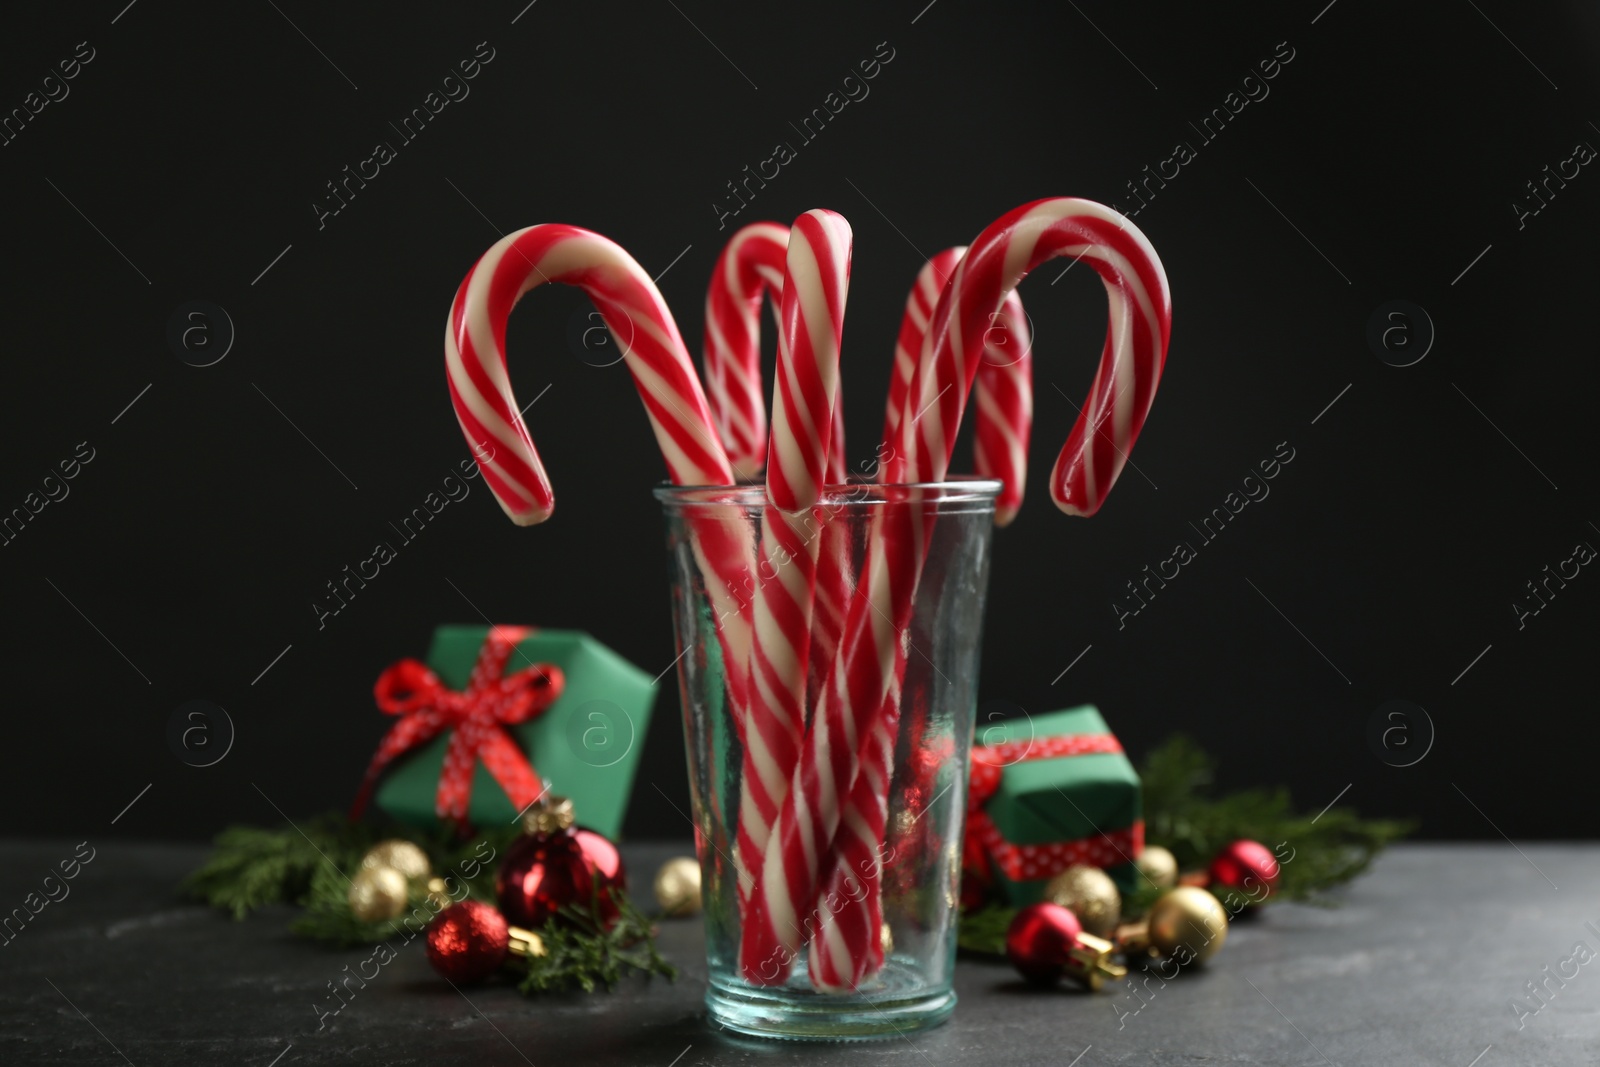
[(638, 318), (1130, 364), (848, 948), (750, 267), (1004, 386), (1003, 394), (1139, 325), (815, 284)]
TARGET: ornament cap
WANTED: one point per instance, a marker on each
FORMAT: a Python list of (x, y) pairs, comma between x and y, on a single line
[(1134, 939), (1089, 961), (525, 942), (548, 816)]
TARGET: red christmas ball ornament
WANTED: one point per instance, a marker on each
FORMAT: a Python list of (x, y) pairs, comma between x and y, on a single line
[(468, 942), (1040, 941), (556, 864), (1246, 868)]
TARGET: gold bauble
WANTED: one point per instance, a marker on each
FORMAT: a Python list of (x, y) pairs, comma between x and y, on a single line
[(1188, 924), (1090, 894), (677, 887), (1158, 867), (377, 893), (886, 939), (403, 856)]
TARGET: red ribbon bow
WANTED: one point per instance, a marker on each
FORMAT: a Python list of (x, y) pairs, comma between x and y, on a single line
[(1025, 863), (478, 715)]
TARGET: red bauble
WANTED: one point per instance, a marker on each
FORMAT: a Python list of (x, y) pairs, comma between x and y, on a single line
[(1247, 868), (468, 942), (543, 872), (1040, 940)]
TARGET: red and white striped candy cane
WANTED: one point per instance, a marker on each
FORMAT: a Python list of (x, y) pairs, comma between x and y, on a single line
[(1004, 386), (815, 284), (1130, 364), (1139, 324), (848, 947), (641, 323), (1003, 394), (749, 268)]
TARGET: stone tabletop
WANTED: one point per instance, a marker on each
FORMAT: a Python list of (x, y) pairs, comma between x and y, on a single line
[(1428, 960)]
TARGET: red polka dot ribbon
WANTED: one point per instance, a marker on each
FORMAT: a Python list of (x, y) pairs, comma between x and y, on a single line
[(478, 717), (985, 846)]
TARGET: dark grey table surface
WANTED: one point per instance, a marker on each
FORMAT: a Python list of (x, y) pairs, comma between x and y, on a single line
[(1421, 964)]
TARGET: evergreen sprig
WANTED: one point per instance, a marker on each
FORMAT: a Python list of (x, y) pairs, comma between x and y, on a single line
[(310, 866), (582, 952), (983, 929), (1315, 852), (251, 867)]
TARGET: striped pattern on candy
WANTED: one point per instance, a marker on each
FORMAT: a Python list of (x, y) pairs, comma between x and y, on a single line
[(1130, 364), (638, 318), (1004, 385), (783, 913), (1139, 325), (750, 267), (815, 284), (1003, 395), (848, 947)]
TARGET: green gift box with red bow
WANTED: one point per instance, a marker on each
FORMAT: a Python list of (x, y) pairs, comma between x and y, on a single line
[(499, 716), (1047, 792)]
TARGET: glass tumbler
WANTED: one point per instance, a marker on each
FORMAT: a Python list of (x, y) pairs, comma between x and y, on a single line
[(727, 553)]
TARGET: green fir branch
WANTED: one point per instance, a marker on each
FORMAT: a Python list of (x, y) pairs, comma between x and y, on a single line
[(582, 952), (251, 867), (309, 866), (1316, 852)]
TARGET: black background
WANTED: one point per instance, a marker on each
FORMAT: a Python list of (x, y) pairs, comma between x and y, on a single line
[(195, 542)]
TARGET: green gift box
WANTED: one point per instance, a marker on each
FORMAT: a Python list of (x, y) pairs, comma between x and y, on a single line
[(585, 745), (1050, 791)]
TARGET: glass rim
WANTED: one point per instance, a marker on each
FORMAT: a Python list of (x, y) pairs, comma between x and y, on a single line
[(955, 489)]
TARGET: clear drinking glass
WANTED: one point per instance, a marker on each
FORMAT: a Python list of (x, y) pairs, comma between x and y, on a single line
[(921, 850)]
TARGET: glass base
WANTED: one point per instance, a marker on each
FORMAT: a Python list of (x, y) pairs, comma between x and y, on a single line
[(900, 1004)]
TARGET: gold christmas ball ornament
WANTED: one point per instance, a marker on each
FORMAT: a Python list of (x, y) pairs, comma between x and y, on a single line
[(377, 893), (1188, 925), (1158, 866), (886, 939), (677, 887), (1090, 894), (403, 856)]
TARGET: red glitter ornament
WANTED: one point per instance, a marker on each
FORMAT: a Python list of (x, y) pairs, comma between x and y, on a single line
[(556, 864), (1247, 868), (1040, 941), (467, 942)]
